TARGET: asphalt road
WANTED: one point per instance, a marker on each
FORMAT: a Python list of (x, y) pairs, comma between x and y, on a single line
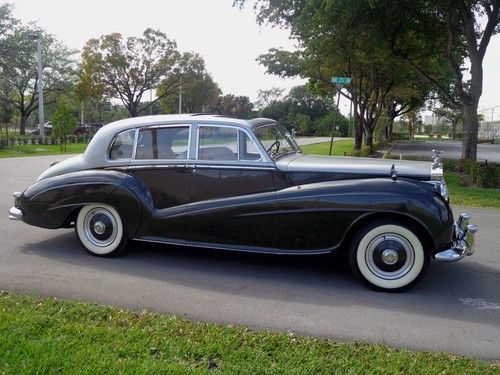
[(451, 149), (456, 308)]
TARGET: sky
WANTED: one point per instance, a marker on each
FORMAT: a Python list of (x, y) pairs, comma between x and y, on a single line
[(228, 38)]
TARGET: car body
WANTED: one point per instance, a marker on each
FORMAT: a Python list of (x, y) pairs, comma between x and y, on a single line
[(217, 182), (47, 127)]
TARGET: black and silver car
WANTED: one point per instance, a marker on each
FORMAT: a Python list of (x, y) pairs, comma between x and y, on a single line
[(216, 182)]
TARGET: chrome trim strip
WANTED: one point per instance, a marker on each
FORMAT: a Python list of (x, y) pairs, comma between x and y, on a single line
[(244, 249), (191, 165)]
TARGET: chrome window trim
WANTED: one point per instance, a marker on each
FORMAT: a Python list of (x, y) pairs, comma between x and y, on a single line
[(264, 158), (187, 164)]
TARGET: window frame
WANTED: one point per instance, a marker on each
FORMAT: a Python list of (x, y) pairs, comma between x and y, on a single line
[(262, 160), (134, 146), (163, 126)]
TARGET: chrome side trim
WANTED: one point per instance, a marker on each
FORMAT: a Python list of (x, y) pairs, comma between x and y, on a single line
[(239, 248)]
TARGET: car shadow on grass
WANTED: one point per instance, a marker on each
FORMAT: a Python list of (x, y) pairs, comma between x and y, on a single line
[(315, 280)]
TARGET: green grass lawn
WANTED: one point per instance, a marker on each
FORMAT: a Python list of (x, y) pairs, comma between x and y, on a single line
[(459, 195), (338, 149), (470, 195), (39, 335), (37, 150)]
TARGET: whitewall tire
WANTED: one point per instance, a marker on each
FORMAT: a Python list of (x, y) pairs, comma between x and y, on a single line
[(100, 230), (388, 256)]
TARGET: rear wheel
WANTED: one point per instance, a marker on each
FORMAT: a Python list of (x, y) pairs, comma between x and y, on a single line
[(100, 230), (388, 256)]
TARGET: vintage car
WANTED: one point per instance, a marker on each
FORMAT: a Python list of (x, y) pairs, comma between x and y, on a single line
[(221, 183)]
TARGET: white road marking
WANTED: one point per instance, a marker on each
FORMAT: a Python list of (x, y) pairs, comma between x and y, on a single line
[(480, 303)]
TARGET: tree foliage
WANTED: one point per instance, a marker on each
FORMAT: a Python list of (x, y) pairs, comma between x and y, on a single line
[(199, 91), (234, 106), (64, 120), (126, 69), (307, 112), (380, 44), (19, 74)]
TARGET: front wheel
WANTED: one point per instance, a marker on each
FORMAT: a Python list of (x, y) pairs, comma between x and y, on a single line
[(388, 256), (100, 230)]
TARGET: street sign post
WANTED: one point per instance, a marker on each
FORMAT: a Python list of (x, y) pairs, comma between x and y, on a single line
[(339, 82)]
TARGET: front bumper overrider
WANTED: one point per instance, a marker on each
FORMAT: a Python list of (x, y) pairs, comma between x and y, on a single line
[(14, 212), (463, 243)]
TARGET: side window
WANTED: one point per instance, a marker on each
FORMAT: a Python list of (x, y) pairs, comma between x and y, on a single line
[(217, 143), (163, 143), (123, 145), (248, 149)]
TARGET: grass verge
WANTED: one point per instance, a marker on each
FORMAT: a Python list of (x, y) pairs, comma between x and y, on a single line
[(470, 195), (40, 335), (340, 148), (38, 150)]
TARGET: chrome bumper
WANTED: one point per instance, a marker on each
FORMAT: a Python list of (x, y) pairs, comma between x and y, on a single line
[(14, 212), (463, 243)]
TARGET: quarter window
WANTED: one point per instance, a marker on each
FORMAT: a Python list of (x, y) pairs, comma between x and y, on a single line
[(123, 145), (163, 143)]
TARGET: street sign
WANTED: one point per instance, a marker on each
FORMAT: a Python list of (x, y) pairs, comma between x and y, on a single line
[(341, 80)]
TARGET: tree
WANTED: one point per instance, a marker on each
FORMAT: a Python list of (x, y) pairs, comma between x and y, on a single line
[(199, 91), (234, 106), (454, 116), (19, 70), (267, 97), (127, 69), (306, 111), (334, 43), (457, 34), (64, 120)]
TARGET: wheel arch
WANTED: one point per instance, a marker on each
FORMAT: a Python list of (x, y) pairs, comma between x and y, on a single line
[(406, 220)]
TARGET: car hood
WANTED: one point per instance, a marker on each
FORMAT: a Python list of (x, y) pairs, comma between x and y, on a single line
[(362, 167)]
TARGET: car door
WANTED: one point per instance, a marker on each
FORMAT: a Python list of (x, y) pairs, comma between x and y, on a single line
[(161, 163), (232, 195)]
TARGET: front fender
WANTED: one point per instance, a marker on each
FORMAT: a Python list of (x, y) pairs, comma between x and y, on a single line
[(328, 210), (49, 202)]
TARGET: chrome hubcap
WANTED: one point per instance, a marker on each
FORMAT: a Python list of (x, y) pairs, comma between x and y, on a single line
[(390, 256), (99, 227)]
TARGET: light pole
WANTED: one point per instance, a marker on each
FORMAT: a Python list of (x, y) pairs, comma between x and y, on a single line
[(41, 114), (180, 98)]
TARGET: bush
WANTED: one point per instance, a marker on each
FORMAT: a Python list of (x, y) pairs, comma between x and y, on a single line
[(486, 175), (4, 143)]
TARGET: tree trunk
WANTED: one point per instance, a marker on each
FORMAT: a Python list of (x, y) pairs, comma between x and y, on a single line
[(358, 132), (471, 128), (22, 124)]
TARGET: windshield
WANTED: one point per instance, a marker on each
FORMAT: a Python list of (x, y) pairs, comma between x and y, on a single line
[(276, 140)]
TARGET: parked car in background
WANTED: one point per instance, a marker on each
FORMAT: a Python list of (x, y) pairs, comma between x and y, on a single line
[(47, 128), (88, 129), (244, 185)]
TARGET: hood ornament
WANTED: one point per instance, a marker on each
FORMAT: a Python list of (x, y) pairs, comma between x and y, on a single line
[(394, 173), (437, 162)]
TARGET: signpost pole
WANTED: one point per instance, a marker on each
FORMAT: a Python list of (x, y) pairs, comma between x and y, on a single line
[(339, 82), (41, 116), (335, 120)]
